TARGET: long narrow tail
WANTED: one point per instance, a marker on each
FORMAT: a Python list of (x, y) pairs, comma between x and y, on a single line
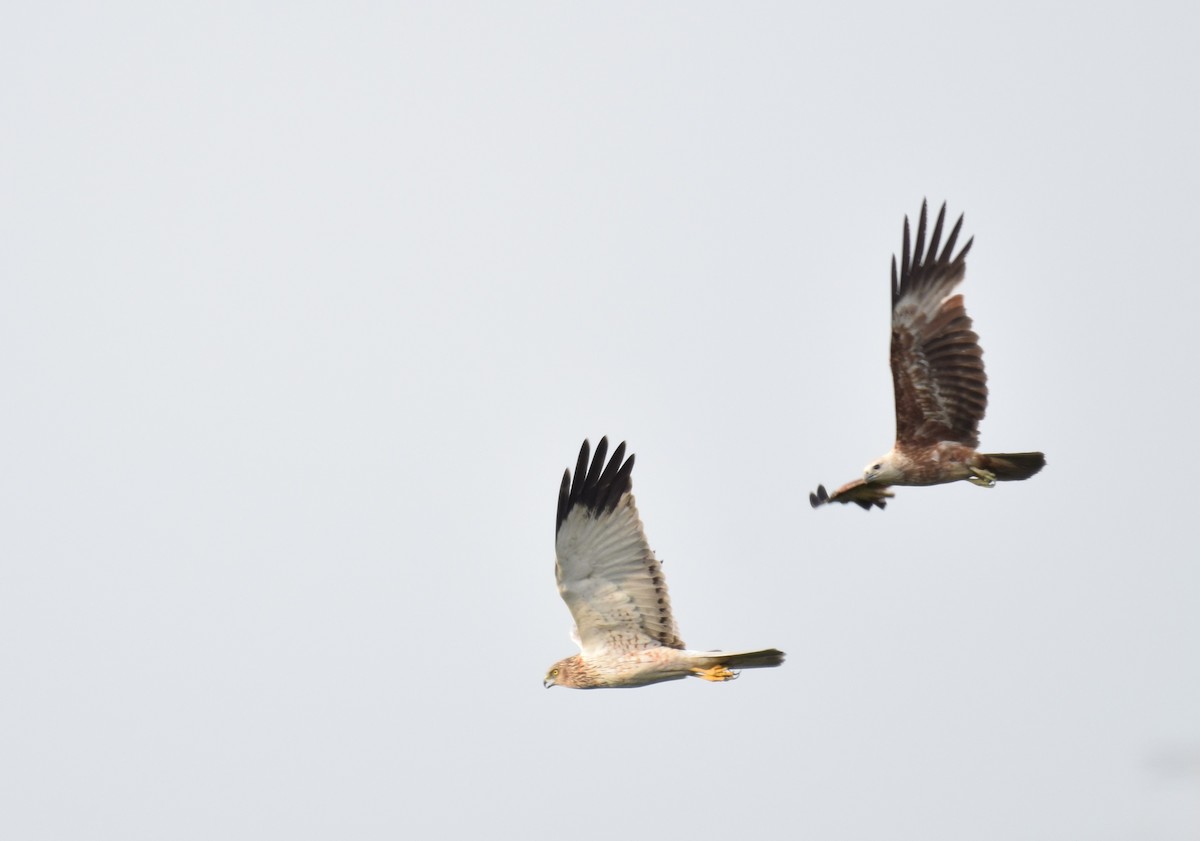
[(764, 659), (1012, 467)]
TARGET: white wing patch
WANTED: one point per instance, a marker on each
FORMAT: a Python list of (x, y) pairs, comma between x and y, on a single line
[(612, 583)]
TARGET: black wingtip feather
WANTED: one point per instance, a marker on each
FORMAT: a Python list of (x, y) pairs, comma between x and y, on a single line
[(918, 264), (919, 245), (593, 473), (599, 487), (564, 498), (606, 476), (936, 236), (612, 490), (580, 470), (950, 240)]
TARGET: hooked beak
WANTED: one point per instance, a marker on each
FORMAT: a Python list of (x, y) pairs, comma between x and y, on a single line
[(547, 683)]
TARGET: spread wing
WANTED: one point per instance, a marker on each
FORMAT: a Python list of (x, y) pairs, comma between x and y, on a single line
[(937, 364), (606, 572), (859, 492)]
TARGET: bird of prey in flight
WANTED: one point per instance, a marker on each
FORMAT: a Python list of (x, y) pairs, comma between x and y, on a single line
[(940, 387), (615, 589)]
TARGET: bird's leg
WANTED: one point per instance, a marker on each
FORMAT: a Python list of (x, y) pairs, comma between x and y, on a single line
[(716, 673), (983, 478)]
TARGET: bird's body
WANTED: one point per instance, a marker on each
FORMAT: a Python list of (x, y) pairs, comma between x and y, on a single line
[(615, 589), (933, 464), (939, 382), (656, 664)]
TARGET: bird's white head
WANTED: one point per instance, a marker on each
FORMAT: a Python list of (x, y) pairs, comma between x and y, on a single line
[(883, 471)]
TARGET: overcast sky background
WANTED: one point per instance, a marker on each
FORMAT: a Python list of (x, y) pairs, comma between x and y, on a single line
[(307, 306)]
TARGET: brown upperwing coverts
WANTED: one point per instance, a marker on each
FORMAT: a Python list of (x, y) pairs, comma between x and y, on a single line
[(940, 386)]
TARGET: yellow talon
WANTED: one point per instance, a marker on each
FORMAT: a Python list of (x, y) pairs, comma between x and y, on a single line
[(716, 673), (983, 478)]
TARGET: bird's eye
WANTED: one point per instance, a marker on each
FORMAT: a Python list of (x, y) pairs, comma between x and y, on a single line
[(877, 466), (554, 673)]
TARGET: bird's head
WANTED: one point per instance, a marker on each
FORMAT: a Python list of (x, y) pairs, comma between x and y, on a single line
[(882, 471), (566, 672)]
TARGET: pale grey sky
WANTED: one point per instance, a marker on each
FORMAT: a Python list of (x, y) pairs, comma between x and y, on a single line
[(307, 306)]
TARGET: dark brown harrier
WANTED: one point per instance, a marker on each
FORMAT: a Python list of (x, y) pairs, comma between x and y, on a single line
[(940, 387)]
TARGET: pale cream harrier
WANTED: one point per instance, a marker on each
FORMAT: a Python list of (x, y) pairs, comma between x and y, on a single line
[(940, 387), (614, 586)]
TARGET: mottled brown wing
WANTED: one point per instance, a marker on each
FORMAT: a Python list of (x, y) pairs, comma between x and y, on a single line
[(937, 364), (859, 492), (606, 571)]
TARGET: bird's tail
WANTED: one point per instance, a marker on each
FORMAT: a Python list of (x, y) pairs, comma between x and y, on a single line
[(764, 659), (1012, 467)]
